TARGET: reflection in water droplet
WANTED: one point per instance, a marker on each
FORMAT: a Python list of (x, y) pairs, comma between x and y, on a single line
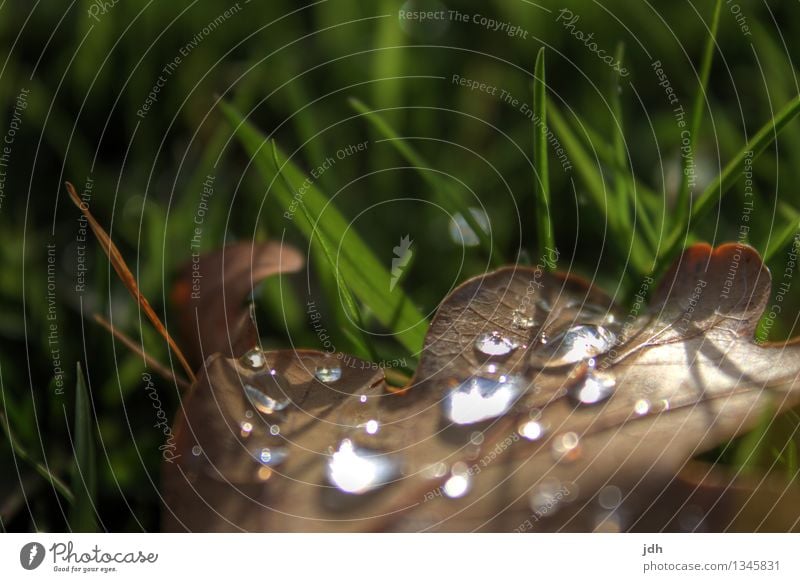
[(592, 387), (274, 430), (254, 359), (263, 402), (358, 470), (197, 450), (246, 428), (579, 342), (532, 430), (609, 497), (459, 482), (362, 398), (372, 426), (495, 344), (480, 398), (248, 413), (271, 456), (522, 321), (460, 231), (328, 373), (567, 447), (641, 407)]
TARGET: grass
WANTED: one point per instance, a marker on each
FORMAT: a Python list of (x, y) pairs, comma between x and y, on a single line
[(614, 214)]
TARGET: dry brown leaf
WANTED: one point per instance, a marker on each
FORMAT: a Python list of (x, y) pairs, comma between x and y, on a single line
[(509, 424)]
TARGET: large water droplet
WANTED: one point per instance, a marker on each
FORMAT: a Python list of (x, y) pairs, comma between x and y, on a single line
[(460, 231), (264, 402), (532, 430), (328, 373), (579, 342), (480, 398), (459, 482), (254, 359), (567, 447), (495, 344), (358, 470), (271, 456), (592, 387)]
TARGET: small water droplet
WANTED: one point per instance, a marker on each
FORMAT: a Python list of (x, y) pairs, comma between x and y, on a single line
[(248, 414), (567, 447), (274, 430), (459, 482), (522, 321), (480, 398), (641, 407), (246, 428), (271, 456), (495, 344), (609, 497), (579, 342), (254, 359), (197, 450), (462, 233), (264, 402), (328, 373), (264, 473), (592, 387), (358, 470), (476, 438), (532, 430), (363, 398), (372, 426)]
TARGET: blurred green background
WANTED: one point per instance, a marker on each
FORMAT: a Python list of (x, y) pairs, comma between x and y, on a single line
[(84, 70)]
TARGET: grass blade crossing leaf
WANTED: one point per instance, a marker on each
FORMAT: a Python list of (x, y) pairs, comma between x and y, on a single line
[(368, 278), (542, 177)]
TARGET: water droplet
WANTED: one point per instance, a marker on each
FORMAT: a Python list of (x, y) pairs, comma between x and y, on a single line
[(264, 402), (480, 398), (264, 473), (522, 321), (663, 404), (476, 438), (579, 342), (248, 414), (358, 470), (434, 471), (274, 430), (567, 447), (328, 373), (459, 482), (363, 398), (532, 430), (246, 428), (592, 387), (197, 450), (254, 359), (641, 407), (271, 456), (609, 497), (495, 344), (372, 426), (462, 233)]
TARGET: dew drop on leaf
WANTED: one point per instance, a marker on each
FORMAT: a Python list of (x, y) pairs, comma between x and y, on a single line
[(578, 343), (495, 344), (357, 470), (479, 398)]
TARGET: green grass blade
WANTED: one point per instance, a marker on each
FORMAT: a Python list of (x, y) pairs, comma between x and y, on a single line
[(84, 474), (786, 235), (768, 133), (368, 278), (351, 307), (542, 176), (682, 204), (621, 171), (440, 188)]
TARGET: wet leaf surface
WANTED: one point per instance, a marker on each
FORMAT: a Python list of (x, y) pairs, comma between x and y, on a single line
[(537, 406)]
